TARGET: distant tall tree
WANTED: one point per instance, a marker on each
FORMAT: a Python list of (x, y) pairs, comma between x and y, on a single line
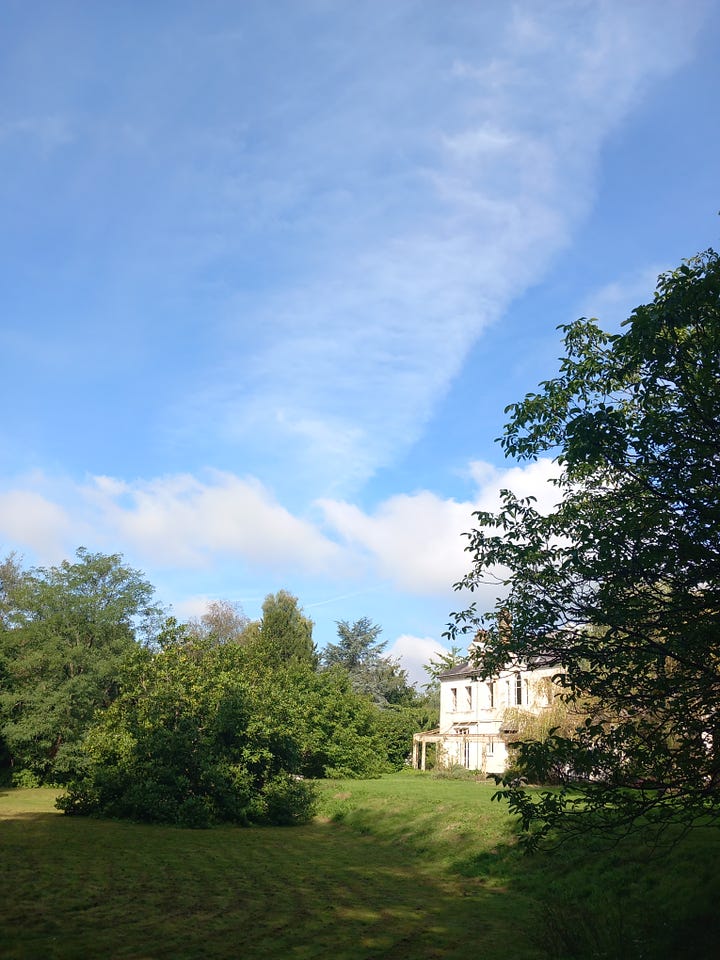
[(66, 633), (11, 575), (357, 648), (284, 634), (371, 673), (222, 622)]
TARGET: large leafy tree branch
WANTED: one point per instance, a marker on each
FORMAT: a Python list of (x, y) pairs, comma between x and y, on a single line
[(620, 583)]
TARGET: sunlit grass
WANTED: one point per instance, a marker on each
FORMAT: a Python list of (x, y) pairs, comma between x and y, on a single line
[(406, 866), (92, 888)]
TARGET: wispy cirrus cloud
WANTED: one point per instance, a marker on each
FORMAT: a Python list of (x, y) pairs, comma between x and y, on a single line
[(432, 221), (46, 133), (295, 226)]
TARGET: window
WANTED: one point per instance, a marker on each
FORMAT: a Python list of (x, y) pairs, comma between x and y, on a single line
[(518, 690), (467, 755), (491, 692), (468, 697), (453, 698), (491, 747)]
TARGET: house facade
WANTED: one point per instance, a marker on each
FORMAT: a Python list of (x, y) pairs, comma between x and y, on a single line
[(473, 715)]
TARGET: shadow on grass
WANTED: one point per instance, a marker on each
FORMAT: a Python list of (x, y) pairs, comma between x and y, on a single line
[(431, 872), (84, 887), (587, 899), (609, 901), (30, 815)]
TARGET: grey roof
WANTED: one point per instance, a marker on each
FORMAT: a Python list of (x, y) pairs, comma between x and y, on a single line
[(461, 670), (468, 669)]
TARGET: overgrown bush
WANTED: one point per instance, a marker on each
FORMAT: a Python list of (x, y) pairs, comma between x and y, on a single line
[(286, 800), (338, 730), (189, 742), (24, 779)]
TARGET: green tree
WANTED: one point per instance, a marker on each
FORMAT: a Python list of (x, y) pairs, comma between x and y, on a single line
[(66, 633), (620, 583), (401, 711), (357, 648), (359, 653), (284, 634), (339, 730), (191, 741), (398, 723), (11, 575)]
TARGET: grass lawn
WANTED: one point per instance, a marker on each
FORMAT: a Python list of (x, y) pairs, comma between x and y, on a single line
[(404, 867)]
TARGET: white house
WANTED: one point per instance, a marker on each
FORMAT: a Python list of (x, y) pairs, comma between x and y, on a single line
[(472, 713)]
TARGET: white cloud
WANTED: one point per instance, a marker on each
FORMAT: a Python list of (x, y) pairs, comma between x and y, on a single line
[(192, 607), (413, 541), (414, 652), (416, 540), (35, 523), (533, 480), (185, 521)]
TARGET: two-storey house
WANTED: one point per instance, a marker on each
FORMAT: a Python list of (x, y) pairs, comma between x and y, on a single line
[(473, 728)]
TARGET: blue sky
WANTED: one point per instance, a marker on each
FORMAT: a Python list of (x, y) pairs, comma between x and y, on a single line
[(270, 272)]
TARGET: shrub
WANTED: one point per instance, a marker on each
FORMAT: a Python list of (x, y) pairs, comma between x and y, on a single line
[(25, 779), (286, 800), (188, 742)]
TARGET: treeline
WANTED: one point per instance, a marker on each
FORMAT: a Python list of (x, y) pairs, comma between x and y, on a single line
[(218, 719)]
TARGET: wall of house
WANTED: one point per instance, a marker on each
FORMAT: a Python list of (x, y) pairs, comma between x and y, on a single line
[(472, 711)]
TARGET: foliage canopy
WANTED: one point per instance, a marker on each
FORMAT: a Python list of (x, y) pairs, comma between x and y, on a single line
[(284, 634), (619, 585), (63, 635), (212, 720), (190, 741), (370, 670)]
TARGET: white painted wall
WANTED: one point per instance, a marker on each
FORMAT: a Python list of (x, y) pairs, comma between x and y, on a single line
[(470, 706)]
